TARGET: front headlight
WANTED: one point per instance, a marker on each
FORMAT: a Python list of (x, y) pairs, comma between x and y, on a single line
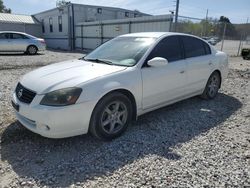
[(62, 97)]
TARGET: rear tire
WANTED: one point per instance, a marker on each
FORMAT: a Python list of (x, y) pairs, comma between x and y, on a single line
[(212, 86), (111, 116), (32, 50)]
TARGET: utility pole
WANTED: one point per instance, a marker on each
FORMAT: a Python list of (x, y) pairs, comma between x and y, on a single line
[(176, 14), (246, 30), (206, 24)]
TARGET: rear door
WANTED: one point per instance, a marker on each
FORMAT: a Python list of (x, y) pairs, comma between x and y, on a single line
[(5, 43), (199, 63), (19, 42)]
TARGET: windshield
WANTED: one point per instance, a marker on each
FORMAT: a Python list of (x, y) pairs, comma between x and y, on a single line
[(124, 51)]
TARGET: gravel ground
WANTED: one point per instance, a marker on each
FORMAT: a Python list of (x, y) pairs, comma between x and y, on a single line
[(193, 143), (14, 61)]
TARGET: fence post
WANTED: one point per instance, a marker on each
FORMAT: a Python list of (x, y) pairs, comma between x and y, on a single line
[(82, 37), (170, 26), (24, 28), (129, 27), (241, 36), (223, 36), (241, 39), (101, 25)]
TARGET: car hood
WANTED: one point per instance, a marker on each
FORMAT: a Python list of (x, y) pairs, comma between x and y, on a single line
[(66, 74)]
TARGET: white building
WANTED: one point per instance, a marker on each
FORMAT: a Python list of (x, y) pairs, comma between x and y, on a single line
[(21, 23), (77, 26), (58, 24)]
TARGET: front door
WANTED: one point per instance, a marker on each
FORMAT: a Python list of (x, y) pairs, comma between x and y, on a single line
[(168, 82)]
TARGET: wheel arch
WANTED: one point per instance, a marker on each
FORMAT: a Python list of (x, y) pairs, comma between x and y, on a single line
[(219, 72), (128, 94), (31, 45)]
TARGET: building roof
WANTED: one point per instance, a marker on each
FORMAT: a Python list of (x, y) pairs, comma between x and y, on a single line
[(117, 8), (17, 18), (95, 6)]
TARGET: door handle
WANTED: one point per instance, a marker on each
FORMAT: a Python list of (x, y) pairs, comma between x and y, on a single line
[(182, 72), (210, 63)]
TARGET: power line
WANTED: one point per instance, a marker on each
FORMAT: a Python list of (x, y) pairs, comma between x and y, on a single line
[(158, 9)]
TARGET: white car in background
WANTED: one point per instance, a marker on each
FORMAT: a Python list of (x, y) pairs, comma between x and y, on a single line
[(11, 41), (212, 41), (119, 81)]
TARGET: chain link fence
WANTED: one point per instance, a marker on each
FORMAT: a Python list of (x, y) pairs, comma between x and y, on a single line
[(223, 35)]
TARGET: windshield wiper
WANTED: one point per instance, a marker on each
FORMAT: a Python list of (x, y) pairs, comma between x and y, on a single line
[(100, 61)]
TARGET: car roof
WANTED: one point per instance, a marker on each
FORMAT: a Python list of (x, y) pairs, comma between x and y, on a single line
[(159, 35), (154, 34), (13, 32)]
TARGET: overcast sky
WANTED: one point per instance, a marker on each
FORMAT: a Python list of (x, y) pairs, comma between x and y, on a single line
[(237, 10)]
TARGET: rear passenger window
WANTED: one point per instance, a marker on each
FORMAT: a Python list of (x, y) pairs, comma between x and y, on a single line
[(169, 48), (207, 48), (193, 47), (17, 36)]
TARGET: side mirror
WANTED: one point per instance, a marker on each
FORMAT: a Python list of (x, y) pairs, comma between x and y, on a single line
[(157, 62)]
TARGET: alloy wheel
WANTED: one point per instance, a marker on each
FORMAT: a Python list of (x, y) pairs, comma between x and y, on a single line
[(32, 50), (213, 86), (114, 117)]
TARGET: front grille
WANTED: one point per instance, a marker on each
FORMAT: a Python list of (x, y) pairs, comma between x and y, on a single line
[(24, 94)]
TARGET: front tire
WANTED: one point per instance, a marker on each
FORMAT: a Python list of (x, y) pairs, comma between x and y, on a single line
[(32, 50), (111, 116), (212, 86)]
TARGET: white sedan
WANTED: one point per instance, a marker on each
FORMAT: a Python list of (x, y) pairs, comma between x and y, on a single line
[(117, 82), (11, 41)]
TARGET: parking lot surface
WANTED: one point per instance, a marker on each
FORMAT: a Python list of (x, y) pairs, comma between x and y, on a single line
[(193, 143), (17, 61)]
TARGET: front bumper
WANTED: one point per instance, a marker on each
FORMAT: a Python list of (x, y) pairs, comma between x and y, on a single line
[(54, 122), (41, 47)]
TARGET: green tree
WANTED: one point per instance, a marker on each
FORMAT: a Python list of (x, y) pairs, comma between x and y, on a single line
[(3, 9), (230, 28), (190, 27), (209, 26), (61, 3)]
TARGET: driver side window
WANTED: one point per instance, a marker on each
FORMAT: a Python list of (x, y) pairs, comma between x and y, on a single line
[(168, 48), (4, 36)]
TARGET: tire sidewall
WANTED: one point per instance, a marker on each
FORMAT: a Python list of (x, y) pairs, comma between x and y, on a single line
[(206, 93), (28, 51), (95, 124)]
